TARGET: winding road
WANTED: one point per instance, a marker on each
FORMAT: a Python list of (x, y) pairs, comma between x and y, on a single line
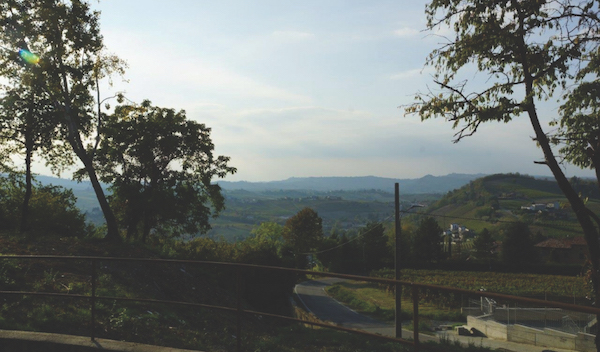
[(312, 295)]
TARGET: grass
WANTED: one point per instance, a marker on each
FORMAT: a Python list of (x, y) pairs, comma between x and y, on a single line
[(369, 299)]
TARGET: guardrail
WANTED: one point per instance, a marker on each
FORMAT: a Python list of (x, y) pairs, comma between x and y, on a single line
[(239, 311)]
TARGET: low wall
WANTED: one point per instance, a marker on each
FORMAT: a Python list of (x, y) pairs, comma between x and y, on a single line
[(523, 334), (585, 342), (489, 328), (527, 335), (555, 338)]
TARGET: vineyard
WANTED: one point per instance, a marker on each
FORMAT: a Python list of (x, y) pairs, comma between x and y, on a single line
[(552, 287)]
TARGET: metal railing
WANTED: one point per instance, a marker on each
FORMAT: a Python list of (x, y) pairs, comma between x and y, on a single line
[(239, 311)]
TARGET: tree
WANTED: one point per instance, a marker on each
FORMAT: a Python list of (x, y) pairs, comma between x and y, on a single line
[(374, 246), (28, 124), (427, 241), (268, 234), (406, 240), (303, 233), (483, 244), (580, 114), (517, 247), (65, 37), (528, 50), (161, 166)]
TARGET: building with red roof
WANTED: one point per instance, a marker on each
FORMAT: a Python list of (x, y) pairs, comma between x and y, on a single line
[(563, 250)]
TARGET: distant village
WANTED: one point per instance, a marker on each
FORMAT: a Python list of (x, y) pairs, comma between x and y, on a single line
[(558, 250)]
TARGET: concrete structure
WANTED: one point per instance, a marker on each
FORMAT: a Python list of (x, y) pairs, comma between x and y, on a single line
[(539, 337)]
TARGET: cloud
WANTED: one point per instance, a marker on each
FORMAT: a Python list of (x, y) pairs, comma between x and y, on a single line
[(407, 74), (176, 72), (292, 35), (270, 144), (406, 32), (318, 133)]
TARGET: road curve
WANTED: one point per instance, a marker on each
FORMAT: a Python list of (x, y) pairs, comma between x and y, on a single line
[(312, 294)]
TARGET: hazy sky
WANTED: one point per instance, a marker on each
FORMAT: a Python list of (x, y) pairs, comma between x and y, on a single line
[(304, 88)]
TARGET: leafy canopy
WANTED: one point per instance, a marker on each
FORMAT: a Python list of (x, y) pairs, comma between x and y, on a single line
[(160, 165), (303, 233), (526, 49)]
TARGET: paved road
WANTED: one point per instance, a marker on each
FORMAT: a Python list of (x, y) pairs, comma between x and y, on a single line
[(312, 295)]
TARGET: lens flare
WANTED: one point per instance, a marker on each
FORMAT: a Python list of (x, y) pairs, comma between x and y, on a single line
[(29, 57)]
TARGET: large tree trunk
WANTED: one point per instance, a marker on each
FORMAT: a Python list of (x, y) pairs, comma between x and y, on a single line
[(29, 145), (112, 233), (583, 214), (74, 139), (24, 225)]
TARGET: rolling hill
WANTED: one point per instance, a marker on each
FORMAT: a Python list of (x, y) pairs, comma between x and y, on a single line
[(491, 200), (425, 184)]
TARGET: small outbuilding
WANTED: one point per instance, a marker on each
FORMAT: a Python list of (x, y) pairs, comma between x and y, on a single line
[(563, 250)]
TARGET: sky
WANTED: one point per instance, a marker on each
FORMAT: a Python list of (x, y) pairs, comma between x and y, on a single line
[(305, 88)]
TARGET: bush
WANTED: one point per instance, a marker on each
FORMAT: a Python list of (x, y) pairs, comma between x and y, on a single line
[(52, 209)]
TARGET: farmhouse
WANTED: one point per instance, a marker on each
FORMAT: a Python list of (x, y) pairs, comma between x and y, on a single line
[(458, 232), (554, 206), (564, 250)]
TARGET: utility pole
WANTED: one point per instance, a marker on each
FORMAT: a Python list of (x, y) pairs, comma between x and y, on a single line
[(397, 262)]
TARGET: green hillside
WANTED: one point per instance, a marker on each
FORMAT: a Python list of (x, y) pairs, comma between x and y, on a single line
[(242, 215), (489, 201), (342, 210)]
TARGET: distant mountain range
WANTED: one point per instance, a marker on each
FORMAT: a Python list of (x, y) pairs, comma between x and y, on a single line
[(425, 184), (66, 183)]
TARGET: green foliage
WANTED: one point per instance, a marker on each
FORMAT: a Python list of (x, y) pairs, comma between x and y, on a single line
[(65, 35), (503, 196), (303, 233), (369, 299), (341, 253), (52, 209), (376, 253), (501, 39), (426, 246), (160, 165), (267, 234), (483, 244), (202, 248), (580, 114), (264, 290), (518, 246), (245, 210), (525, 51)]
